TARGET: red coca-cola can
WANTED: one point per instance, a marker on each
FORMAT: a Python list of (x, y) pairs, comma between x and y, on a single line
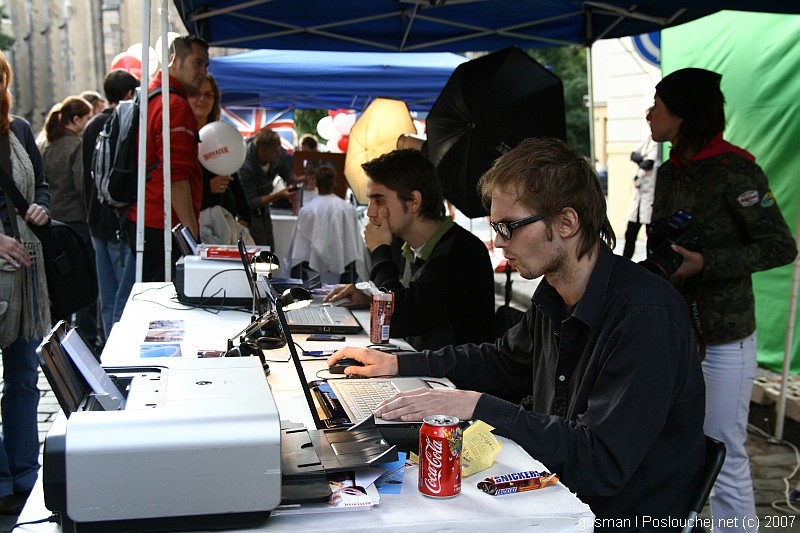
[(440, 456)]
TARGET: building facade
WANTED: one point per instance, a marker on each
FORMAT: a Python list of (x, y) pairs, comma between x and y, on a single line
[(64, 47)]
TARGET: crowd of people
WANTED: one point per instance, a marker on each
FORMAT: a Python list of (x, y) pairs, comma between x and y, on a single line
[(608, 380)]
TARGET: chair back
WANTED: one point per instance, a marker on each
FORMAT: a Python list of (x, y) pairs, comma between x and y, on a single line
[(715, 456)]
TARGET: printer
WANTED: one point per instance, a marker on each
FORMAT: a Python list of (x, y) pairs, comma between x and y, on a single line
[(195, 444), (211, 281)]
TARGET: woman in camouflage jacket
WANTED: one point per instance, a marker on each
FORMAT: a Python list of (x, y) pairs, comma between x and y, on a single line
[(740, 230)]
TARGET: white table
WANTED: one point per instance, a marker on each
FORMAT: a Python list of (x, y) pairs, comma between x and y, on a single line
[(553, 509)]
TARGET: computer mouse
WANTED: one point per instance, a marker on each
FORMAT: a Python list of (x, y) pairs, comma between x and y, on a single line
[(339, 366), (337, 303)]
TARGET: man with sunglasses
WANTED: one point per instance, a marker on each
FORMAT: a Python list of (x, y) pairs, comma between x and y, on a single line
[(440, 273), (606, 352)]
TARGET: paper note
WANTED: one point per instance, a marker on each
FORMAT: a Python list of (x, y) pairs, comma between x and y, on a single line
[(479, 449)]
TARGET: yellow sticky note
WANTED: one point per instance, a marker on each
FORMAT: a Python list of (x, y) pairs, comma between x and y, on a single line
[(479, 449)]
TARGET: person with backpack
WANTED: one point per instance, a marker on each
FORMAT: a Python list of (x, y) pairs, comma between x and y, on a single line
[(187, 70), (111, 251)]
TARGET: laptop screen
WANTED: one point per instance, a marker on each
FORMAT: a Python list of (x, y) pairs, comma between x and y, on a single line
[(258, 288), (69, 385)]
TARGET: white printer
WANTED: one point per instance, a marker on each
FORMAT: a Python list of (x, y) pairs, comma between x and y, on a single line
[(195, 444), (211, 281)]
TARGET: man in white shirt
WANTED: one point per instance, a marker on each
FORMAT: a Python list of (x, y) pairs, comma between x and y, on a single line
[(326, 237)]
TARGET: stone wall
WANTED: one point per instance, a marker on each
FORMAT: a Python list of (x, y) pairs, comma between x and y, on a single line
[(63, 47)]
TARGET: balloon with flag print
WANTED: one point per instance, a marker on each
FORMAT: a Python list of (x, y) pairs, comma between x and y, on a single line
[(222, 149)]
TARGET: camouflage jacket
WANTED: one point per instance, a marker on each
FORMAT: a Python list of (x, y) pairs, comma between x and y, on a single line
[(741, 231)]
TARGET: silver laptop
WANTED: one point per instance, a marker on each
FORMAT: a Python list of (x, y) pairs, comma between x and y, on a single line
[(313, 319), (74, 373), (360, 397), (344, 406), (323, 319)]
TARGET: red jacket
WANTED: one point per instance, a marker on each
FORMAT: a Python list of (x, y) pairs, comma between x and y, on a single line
[(183, 151)]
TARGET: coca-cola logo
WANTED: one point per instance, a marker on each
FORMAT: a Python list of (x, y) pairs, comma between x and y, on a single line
[(433, 453)]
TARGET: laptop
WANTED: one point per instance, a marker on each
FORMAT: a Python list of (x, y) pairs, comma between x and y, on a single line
[(185, 239), (312, 319), (79, 382), (350, 402)]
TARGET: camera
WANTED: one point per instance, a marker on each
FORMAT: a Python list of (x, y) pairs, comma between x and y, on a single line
[(664, 232)]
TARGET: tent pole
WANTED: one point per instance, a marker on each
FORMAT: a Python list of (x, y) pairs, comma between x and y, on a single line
[(140, 193), (166, 120), (590, 90), (780, 410)]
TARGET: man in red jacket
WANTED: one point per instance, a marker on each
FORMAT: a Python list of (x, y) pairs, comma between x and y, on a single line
[(187, 70)]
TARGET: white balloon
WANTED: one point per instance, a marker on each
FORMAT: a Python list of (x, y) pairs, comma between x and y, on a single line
[(170, 36), (326, 129), (152, 60), (222, 150), (343, 122), (333, 146)]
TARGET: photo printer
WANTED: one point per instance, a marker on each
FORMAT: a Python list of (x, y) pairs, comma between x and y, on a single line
[(195, 444), (211, 282)]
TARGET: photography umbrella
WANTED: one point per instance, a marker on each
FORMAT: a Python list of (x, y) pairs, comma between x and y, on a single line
[(375, 133), (487, 107)]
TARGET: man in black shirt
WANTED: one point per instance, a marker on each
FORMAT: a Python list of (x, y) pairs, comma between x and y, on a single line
[(606, 351)]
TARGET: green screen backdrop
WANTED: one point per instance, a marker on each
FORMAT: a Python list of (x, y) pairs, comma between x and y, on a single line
[(758, 55)]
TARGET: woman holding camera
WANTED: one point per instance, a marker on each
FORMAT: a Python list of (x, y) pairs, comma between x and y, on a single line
[(741, 231)]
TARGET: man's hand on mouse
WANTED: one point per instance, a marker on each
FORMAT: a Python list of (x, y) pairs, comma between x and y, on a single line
[(376, 363), (357, 298)]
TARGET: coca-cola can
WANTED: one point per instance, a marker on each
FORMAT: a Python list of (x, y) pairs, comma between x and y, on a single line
[(440, 456)]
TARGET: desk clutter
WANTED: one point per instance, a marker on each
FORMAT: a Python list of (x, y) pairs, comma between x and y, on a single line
[(194, 440), (158, 416)]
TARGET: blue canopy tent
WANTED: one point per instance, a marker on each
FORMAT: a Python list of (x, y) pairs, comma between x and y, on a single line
[(331, 80), (440, 25)]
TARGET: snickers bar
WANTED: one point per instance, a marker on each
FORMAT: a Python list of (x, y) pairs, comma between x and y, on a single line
[(516, 482)]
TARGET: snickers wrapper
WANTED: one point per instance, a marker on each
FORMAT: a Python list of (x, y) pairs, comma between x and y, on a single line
[(516, 482)]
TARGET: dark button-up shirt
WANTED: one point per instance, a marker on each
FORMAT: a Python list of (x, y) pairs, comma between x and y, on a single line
[(617, 392)]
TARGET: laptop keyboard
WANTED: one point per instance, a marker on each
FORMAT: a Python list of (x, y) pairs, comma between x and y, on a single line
[(308, 315), (363, 397)]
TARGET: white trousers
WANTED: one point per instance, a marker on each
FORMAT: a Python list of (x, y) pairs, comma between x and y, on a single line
[(729, 370)]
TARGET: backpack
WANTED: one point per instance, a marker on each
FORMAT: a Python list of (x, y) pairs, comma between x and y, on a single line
[(115, 157)]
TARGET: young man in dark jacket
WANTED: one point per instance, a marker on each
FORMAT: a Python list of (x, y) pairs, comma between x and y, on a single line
[(440, 273)]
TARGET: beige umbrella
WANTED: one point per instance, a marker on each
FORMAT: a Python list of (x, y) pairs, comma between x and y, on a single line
[(375, 133)]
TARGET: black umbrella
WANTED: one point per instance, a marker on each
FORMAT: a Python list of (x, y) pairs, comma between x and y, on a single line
[(488, 106)]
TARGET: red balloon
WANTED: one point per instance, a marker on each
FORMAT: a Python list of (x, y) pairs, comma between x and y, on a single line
[(343, 141), (128, 62)]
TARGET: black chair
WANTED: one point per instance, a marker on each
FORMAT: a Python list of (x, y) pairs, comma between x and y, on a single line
[(715, 456)]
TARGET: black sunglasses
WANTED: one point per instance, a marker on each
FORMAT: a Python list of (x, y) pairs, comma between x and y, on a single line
[(505, 229)]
